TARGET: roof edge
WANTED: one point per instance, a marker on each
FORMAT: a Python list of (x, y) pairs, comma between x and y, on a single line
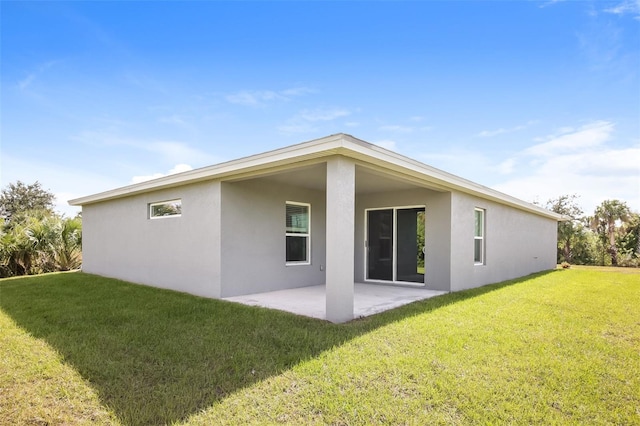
[(336, 144), (220, 170)]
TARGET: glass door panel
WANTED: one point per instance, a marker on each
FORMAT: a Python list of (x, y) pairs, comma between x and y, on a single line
[(380, 244), (410, 245)]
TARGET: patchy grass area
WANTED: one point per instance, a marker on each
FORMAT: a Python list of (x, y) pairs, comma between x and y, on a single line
[(560, 347)]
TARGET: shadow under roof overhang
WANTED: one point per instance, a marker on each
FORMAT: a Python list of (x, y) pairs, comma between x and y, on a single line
[(312, 175)]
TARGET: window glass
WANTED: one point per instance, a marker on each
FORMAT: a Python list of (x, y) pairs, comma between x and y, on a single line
[(165, 209), (477, 251), (478, 243), (296, 249), (479, 215), (298, 235), (297, 219)]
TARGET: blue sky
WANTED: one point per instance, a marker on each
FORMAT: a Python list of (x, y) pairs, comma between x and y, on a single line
[(535, 99)]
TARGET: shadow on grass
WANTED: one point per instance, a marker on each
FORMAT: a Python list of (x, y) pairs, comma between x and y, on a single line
[(157, 356)]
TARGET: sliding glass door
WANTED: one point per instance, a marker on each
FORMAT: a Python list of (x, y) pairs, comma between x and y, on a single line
[(380, 244), (395, 244)]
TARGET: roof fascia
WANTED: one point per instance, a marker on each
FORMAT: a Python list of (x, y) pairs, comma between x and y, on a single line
[(311, 152), (382, 157), (283, 158)]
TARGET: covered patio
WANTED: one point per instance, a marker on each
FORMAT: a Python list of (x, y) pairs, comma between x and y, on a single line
[(361, 224), (368, 299)]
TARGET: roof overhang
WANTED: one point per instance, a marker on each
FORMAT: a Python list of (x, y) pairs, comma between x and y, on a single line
[(364, 153)]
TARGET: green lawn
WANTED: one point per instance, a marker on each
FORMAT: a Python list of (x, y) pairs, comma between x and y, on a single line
[(559, 347)]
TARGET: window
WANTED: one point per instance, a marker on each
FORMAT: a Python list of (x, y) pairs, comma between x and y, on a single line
[(478, 246), (298, 234), (165, 209)]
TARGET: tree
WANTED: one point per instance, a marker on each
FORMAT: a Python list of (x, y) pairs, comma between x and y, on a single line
[(628, 241), (18, 199), (68, 252), (569, 231), (604, 222), (33, 238), (15, 251), (41, 244)]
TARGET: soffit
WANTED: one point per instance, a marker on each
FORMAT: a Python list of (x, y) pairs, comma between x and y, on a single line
[(314, 177)]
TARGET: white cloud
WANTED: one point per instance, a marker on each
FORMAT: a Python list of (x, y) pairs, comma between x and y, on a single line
[(32, 76), (306, 121), (500, 131), (253, 98), (298, 91), (174, 119), (465, 163), (297, 128), (631, 7), (579, 161), (256, 98), (490, 133), (62, 203), (550, 2), (588, 136), (176, 151), (403, 128), (65, 181), (170, 151), (586, 160), (507, 166), (146, 82), (26, 82), (592, 189), (396, 128), (387, 144), (179, 168), (322, 114)]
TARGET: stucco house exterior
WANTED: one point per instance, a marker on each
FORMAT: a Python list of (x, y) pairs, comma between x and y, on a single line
[(333, 211)]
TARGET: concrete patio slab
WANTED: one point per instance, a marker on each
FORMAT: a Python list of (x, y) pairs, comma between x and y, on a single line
[(369, 299)]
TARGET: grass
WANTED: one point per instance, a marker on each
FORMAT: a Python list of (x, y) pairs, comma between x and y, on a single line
[(560, 347)]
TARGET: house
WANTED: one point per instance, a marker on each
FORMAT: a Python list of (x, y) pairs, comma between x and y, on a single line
[(329, 212)]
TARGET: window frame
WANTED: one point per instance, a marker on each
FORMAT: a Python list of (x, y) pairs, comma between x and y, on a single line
[(306, 235), (481, 237), (159, 203)]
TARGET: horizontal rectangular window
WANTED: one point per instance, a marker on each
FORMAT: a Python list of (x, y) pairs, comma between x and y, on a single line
[(297, 233), (164, 209)]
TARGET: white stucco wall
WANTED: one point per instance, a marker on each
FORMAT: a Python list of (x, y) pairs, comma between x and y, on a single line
[(253, 237), (180, 253), (230, 239), (517, 243)]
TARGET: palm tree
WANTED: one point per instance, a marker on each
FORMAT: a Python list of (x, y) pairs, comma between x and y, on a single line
[(16, 252), (40, 243), (67, 253), (605, 218)]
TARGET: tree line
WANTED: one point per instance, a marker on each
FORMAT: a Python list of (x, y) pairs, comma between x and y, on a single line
[(33, 238), (611, 236)]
